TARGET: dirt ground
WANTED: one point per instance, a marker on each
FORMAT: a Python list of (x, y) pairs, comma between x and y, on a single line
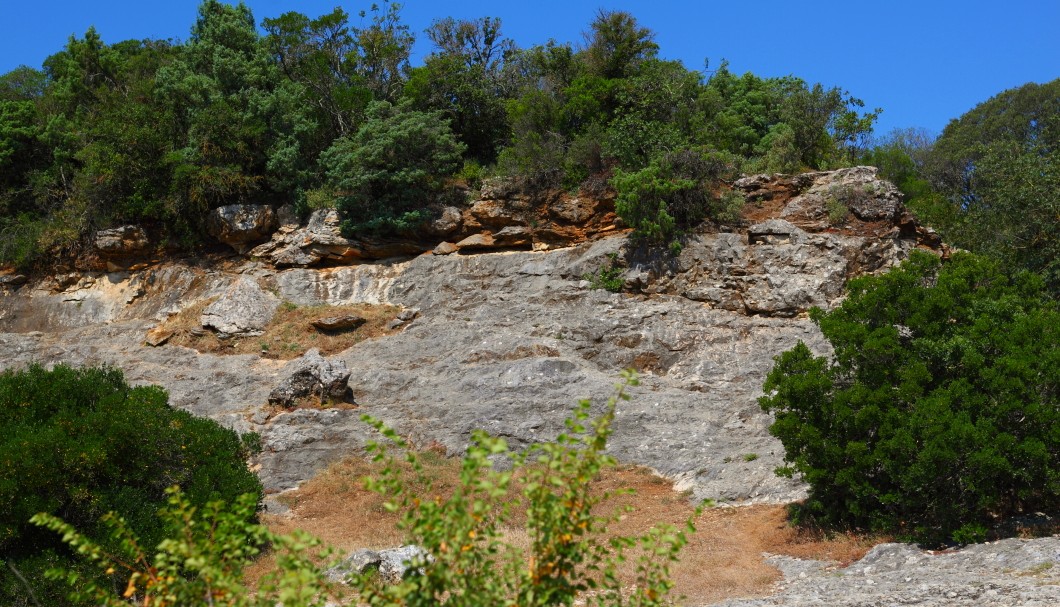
[(723, 559)]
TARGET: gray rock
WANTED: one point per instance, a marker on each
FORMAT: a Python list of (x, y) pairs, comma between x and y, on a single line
[(391, 564), (239, 225), (448, 221), (124, 240), (312, 375), (13, 280), (499, 188), (244, 309), (1010, 572)]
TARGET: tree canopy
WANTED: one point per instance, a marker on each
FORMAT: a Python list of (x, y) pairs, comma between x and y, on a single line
[(157, 132), (938, 413)]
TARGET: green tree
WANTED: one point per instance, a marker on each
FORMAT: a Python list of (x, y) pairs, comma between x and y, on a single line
[(938, 414), (998, 166), (79, 443), (392, 169), (462, 80)]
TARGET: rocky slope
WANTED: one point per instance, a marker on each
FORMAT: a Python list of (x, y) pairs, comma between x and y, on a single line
[(506, 340)]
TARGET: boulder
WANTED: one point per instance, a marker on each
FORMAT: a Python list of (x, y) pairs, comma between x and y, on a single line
[(392, 564), (445, 248), (498, 188), (321, 239), (512, 236), (244, 309), (493, 214), (313, 375), (122, 241), (447, 222), (573, 210), (345, 322), (239, 225)]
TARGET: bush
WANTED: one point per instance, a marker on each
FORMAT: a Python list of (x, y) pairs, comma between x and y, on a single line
[(200, 563), (80, 443), (392, 169), (675, 193), (470, 565), (938, 413)]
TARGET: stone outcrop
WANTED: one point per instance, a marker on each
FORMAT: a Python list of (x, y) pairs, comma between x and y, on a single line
[(241, 225), (120, 248), (244, 309), (510, 341), (390, 564), (1012, 572), (312, 375)]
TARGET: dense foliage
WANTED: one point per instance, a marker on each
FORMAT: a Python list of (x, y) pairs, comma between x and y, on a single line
[(81, 443), (991, 182), (938, 413), (158, 132), (201, 560)]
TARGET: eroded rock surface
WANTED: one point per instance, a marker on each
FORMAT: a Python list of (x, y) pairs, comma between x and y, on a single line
[(1013, 572)]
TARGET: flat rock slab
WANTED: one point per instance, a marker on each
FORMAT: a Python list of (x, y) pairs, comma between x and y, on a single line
[(345, 322)]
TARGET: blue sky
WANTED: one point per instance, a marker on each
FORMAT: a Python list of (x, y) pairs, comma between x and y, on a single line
[(924, 62)]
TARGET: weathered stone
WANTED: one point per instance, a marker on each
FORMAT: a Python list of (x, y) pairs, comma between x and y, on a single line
[(321, 239), (158, 336), (391, 564), (239, 225), (573, 210), (408, 314), (312, 375), (345, 322), (447, 222), (477, 241), (445, 248), (512, 236), (244, 309), (124, 240), (493, 214), (498, 188)]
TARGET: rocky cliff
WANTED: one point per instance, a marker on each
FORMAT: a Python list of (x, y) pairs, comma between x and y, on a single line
[(500, 328), (505, 341)]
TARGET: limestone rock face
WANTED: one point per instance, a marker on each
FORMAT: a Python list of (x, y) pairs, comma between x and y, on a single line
[(240, 225), (244, 309), (312, 375)]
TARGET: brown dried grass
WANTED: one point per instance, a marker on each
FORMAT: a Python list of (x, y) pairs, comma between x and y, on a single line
[(723, 559), (288, 335)]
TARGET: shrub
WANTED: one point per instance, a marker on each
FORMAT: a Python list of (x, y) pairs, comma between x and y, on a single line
[(939, 411), (675, 193), (80, 443), (607, 276), (470, 565), (392, 169), (200, 562)]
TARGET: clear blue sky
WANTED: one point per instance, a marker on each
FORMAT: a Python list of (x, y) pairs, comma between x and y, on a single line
[(924, 62)]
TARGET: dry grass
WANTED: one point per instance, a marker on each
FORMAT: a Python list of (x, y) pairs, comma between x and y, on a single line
[(723, 559), (289, 335)]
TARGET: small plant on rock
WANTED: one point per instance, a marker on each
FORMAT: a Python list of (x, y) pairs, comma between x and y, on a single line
[(608, 276)]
